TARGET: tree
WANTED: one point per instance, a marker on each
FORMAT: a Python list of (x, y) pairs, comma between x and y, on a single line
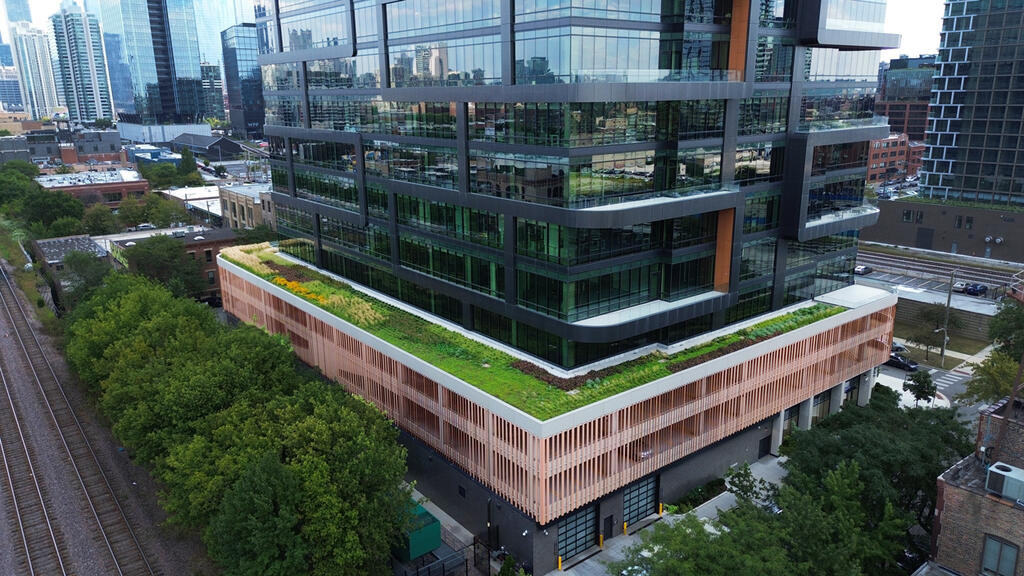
[(1007, 328), (98, 219), (48, 206), (258, 527), (900, 452), (5, 132), (261, 233), (163, 259), (921, 386), (188, 162), (926, 338), (131, 212), (993, 378), (220, 170), (14, 185), (751, 545), (64, 169), (102, 123), (82, 273), (163, 212), (65, 226), (22, 167), (508, 566)]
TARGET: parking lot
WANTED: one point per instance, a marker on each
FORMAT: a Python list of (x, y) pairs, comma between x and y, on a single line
[(910, 281)]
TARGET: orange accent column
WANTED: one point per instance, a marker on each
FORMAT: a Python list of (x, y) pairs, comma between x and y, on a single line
[(723, 249), (738, 41)]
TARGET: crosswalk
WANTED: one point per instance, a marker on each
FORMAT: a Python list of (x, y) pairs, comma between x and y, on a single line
[(947, 379)]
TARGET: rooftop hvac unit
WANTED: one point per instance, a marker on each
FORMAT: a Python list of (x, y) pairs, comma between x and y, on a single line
[(1006, 481)]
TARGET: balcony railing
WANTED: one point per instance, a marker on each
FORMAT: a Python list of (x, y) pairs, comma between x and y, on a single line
[(1017, 287), (642, 76), (842, 124)]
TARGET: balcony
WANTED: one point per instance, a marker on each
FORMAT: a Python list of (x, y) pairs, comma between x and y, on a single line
[(634, 76)]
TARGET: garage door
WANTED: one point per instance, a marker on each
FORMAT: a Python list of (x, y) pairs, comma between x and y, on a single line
[(640, 500), (577, 532)]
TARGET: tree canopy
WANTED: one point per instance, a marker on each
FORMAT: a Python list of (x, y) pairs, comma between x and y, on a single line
[(48, 206), (99, 219), (1007, 328), (282, 474), (992, 380), (163, 258), (855, 483), (164, 175)]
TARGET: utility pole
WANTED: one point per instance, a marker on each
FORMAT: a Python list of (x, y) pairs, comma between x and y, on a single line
[(945, 325)]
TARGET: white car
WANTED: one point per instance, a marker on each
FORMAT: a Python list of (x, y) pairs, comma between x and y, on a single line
[(863, 270), (959, 286)]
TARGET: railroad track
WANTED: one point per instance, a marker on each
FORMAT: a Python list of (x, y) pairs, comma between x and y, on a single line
[(43, 550), (114, 531), (938, 270)]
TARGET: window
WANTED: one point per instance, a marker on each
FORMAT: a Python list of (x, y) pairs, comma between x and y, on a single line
[(211, 277), (908, 215), (969, 224), (1000, 558), (192, 254), (959, 222), (209, 255)]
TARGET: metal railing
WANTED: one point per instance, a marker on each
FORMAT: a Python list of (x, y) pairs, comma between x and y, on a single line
[(1016, 290)]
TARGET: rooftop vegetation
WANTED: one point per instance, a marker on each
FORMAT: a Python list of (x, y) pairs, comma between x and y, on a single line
[(495, 372)]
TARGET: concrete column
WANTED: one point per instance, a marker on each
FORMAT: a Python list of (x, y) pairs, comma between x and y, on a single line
[(780, 420), (804, 419), (836, 399), (864, 388)]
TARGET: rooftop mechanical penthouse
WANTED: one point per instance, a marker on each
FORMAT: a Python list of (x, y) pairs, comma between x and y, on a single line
[(579, 184)]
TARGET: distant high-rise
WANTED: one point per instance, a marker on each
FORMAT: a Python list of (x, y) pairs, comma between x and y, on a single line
[(213, 91), (153, 57), (244, 81), (80, 68), (32, 58), (977, 112), (18, 11), (904, 89), (6, 57), (10, 90)]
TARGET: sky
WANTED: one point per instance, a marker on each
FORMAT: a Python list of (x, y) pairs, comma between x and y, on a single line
[(919, 22)]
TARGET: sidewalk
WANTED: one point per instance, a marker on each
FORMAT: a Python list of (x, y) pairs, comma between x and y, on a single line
[(965, 367), (965, 359), (768, 468)]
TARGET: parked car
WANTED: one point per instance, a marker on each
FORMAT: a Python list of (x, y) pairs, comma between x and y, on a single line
[(959, 286), (897, 347), (863, 270), (901, 362), (976, 289)]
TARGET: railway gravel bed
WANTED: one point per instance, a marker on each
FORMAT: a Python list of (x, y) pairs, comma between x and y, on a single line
[(167, 551)]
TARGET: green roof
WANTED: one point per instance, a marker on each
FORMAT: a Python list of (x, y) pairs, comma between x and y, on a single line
[(487, 368)]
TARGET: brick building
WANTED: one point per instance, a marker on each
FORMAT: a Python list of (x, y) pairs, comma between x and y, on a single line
[(979, 520), (893, 159), (201, 245), (957, 228), (241, 205), (109, 187)]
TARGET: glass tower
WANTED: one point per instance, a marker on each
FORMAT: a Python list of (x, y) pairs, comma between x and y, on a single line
[(213, 91), (80, 66), (575, 179), (153, 58), (35, 70), (977, 106), (18, 11), (244, 81)]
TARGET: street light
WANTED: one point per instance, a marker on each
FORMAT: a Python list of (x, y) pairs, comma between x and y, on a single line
[(945, 324)]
